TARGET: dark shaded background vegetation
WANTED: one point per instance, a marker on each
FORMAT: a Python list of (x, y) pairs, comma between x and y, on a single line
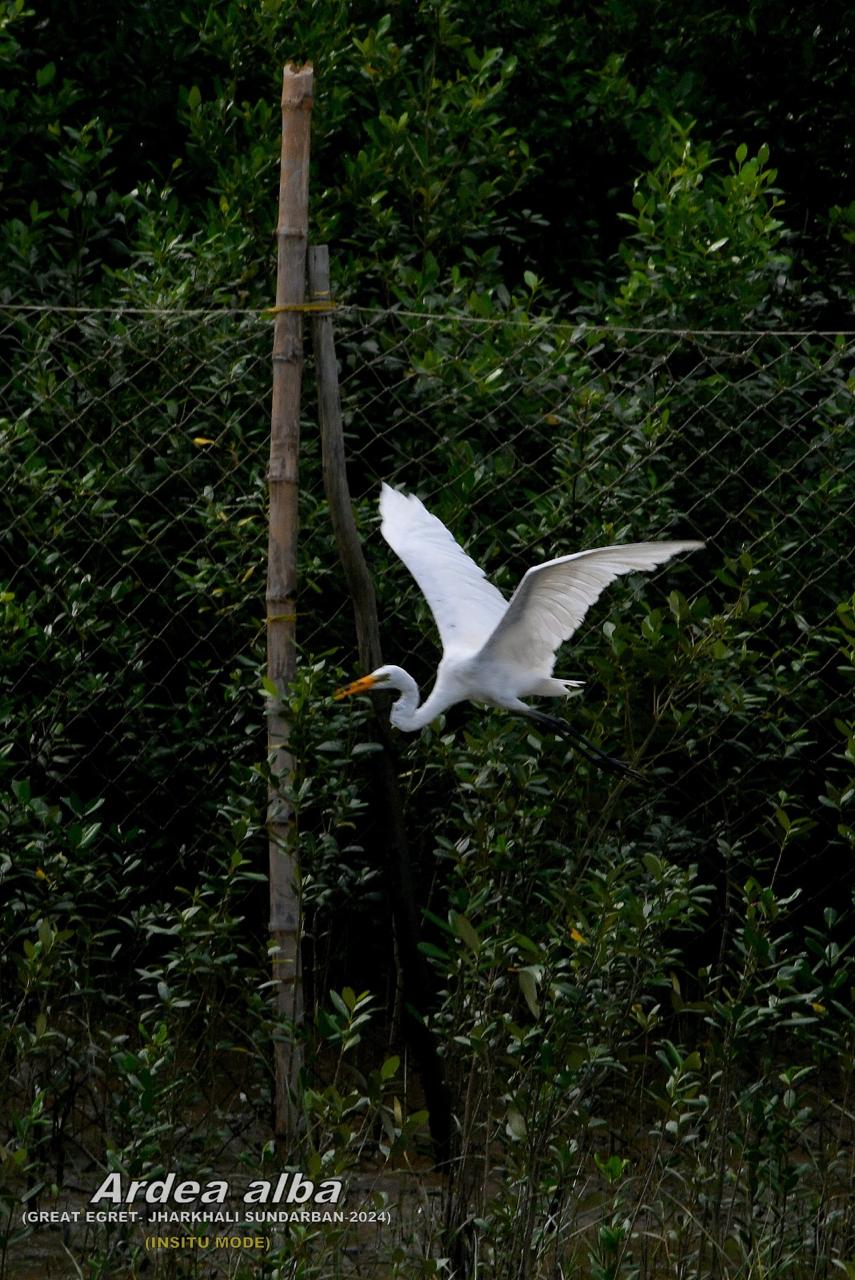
[(642, 999)]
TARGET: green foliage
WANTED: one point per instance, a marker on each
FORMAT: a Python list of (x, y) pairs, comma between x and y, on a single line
[(706, 248), (642, 995), (603, 956), (487, 142)]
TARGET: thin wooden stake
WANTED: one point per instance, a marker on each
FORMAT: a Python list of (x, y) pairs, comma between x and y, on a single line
[(291, 238), (358, 578), (406, 916)]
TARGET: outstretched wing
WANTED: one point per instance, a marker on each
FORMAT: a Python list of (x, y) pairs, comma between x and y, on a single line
[(553, 598), (467, 607)]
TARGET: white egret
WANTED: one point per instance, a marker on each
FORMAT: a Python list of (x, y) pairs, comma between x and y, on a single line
[(497, 651)]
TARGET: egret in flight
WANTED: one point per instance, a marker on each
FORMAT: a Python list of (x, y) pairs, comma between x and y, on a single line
[(497, 651)]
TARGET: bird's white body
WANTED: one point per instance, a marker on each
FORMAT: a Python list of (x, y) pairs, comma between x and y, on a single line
[(495, 651)]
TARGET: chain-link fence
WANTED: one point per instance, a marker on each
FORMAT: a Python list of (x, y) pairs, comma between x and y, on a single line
[(133, 578), (133, 547), (724, 677), (133, 531)]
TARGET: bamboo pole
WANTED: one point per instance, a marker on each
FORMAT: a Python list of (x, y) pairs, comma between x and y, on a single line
[(414, 972), (291, 239)]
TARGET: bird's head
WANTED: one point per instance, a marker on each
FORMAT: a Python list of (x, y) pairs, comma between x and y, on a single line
[(385, 678), (382, 678)]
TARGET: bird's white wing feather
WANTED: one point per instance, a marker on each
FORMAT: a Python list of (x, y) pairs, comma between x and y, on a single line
[(553, 598), (467, 607)]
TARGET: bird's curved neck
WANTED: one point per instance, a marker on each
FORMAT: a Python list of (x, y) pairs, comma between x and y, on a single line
[(407, 714)]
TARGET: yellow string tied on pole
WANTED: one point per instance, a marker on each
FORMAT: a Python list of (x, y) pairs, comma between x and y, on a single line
[(313, 307)]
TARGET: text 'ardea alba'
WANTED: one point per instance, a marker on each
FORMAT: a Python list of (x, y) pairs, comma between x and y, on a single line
[(497, 651)]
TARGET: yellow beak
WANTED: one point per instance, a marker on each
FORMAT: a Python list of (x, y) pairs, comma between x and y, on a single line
[(359, 686)]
